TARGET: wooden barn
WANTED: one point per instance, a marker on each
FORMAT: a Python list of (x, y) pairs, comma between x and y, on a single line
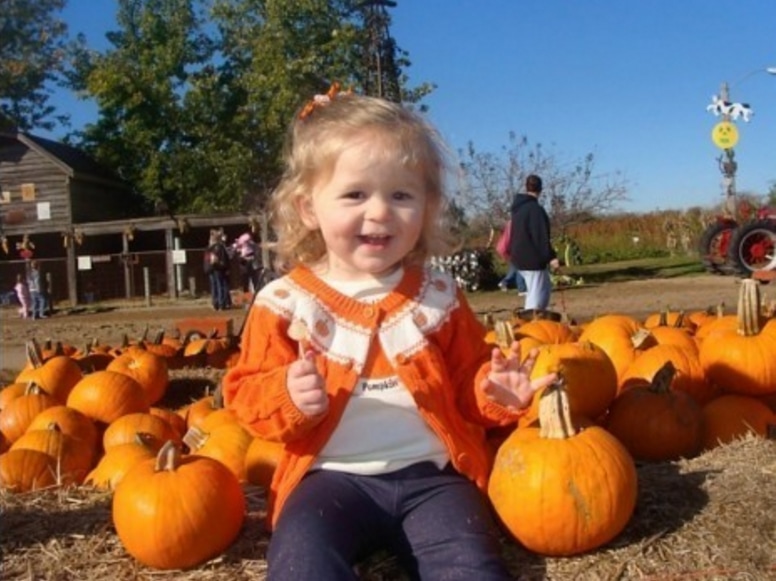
[(89, 232)]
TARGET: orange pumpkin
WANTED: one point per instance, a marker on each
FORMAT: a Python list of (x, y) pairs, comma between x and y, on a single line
[(73, 458), (10, 392), (119, 460), (689, 376), (175, 420), (261, 459), (655, 422), (733, 416), (559, 490), (71, 422), (107, 395), (547, 331), (227, 442), (743, 361), (26, 470), (591, 380), (176, 513), (148, 369), (57, 376), (17, 416), (621, 337), (123, 430)]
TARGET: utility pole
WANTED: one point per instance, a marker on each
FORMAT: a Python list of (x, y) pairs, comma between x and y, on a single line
[(727, 163)]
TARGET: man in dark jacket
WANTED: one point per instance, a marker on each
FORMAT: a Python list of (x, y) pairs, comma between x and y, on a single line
[(530, 249)]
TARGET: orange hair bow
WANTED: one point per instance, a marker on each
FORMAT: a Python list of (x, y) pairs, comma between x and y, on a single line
[(322, 100)]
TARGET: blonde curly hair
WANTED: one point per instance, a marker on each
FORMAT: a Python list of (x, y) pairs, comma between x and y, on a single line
[(312, 147)]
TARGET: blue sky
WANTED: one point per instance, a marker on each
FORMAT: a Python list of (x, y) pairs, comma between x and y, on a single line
[(626, 80)]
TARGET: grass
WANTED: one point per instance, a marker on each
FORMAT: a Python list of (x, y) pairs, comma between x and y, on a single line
[(665, 267)]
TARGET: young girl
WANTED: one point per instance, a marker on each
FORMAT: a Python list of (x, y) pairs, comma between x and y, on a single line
[(23, 294), (369, 366)]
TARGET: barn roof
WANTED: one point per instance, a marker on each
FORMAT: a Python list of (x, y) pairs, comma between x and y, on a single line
[(75, 162)]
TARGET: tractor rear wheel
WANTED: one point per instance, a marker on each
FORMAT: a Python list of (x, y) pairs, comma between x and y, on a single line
[(714, 244), (753, 247)]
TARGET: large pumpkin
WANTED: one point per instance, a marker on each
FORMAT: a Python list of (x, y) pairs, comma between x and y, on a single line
[(733, 416), (17, 416), (56, 376), (655, 422), (107, 395), (120, 459), (621, 337), (743, 361), (177, 512), (559, 490), (689, 376), (589, 375), (148, 369), (25, 470)]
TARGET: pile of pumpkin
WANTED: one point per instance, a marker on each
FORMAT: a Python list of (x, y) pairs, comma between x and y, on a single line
[(564, 482), (669, 387), (94, 418)]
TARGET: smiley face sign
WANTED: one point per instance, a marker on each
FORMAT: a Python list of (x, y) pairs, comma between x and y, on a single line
[(724, 135)]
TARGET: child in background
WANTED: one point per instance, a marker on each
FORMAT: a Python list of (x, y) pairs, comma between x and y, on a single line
[(367, 364), (23, 295), (35, 284)]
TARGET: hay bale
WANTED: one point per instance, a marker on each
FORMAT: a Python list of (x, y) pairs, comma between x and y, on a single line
[(711, 517)]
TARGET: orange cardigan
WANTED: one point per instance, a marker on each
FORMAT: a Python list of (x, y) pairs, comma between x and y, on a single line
[(426, 330)]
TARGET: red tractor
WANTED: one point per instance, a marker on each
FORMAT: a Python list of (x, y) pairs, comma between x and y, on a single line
[(741, 247)]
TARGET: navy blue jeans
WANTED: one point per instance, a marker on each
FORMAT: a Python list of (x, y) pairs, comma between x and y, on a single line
[(219, 290), (436, 522)]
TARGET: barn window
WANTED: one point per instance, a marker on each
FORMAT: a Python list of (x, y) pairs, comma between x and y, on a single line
[(5, 197), (28, 192)]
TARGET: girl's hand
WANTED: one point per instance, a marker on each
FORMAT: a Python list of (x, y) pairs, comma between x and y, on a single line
[(305, 386), (509, 383)]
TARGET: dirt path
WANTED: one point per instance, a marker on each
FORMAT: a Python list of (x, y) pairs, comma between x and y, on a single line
[(638, 298)]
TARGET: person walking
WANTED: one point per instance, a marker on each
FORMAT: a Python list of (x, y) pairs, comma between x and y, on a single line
[(531, 250), (217, 268), (249, 261), (22, 290), (35, 283)]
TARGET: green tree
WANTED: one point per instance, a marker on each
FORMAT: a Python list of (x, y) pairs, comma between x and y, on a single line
[(34, 50), (142, 87), (194, 105), (772, 195)]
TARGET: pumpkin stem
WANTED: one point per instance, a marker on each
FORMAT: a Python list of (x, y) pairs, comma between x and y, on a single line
[(168, 458), (32, 388), (505, 334), (218, 398), (749, 308), (554, 412), (661, 381), (194, 438), (638, 338), (34, 352), (679, 322)]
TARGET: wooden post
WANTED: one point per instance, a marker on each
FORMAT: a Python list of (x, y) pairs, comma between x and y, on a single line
[(168, 241), (147, 285), (127, 267), (72, 275)]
